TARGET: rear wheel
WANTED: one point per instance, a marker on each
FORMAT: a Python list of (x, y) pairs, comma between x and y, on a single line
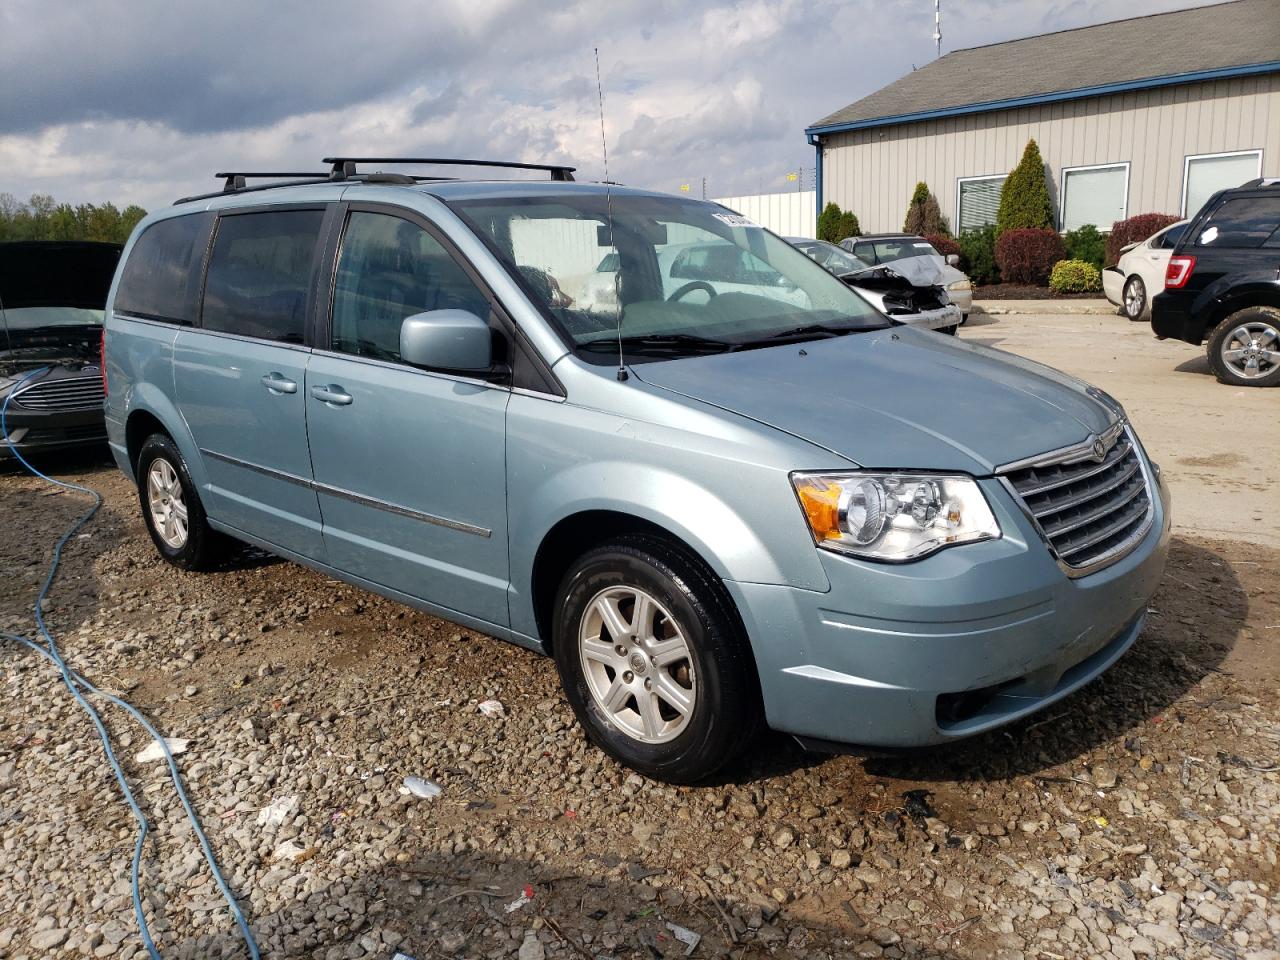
[(1133, 300), (1244, 349), (951, 330), (653, 661), (171, 508)]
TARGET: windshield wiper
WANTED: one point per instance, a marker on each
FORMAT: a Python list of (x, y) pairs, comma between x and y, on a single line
[(810, 331), (660, 343)]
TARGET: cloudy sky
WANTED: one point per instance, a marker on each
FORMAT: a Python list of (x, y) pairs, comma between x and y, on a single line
[(140, 101)]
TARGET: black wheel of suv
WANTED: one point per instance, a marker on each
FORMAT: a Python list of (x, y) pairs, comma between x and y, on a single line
[(1134, 298), (1244, 349), (653, 660), (172, 510), (951, 330)]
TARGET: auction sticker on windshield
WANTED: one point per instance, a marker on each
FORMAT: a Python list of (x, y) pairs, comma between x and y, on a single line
[(735, 220)]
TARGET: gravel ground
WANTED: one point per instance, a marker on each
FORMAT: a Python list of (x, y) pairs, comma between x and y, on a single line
[(1137, 818)]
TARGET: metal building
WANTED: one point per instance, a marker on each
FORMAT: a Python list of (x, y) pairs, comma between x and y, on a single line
[(1148, 115)]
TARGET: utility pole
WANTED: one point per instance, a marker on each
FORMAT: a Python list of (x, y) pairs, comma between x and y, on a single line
[(937, 26), (704, 188)]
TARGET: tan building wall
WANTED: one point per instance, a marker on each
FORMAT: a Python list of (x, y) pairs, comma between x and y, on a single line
[(873, 172)]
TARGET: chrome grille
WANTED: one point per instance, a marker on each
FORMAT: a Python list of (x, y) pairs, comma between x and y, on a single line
[(1091, 510), (73, 393)]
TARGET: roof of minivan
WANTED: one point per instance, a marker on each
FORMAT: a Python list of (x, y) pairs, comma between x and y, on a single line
[(446, 190)]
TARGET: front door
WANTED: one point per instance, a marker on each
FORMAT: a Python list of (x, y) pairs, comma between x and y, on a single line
[(409, 465), (239, 377)]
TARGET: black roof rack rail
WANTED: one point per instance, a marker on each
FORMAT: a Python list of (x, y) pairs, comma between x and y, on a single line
[(236, 180), (345, 167)]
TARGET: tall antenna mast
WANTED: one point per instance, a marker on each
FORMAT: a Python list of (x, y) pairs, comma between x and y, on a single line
[(608, 199), (937, 26)]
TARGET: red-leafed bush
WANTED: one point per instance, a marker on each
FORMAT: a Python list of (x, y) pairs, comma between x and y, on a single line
[(1135, 228), (1027, 255), (943, 244)]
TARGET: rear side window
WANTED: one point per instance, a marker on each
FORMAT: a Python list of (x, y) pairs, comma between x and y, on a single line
[(163, 269), (1169, 239), (259, 274), (1243, 222)]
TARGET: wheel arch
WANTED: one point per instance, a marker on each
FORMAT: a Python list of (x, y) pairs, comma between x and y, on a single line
[(150, 411), (574, 535), (1258, 294)]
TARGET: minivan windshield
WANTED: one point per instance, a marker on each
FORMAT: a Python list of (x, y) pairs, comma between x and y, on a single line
[(667, 276)]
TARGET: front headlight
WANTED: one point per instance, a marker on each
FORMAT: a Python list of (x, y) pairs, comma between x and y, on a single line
[(965, 284), (893, 516)]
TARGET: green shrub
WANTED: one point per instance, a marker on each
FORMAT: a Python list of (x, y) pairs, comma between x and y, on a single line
[(835, 224), (1074, 276), (978, 255), (924, 216), (1024, 198), (1087, 244), (1028, 255), (1136, 228)]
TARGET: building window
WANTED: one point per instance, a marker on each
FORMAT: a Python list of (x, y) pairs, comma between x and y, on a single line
[(1096, 194), (1205, 174), (977, 201)]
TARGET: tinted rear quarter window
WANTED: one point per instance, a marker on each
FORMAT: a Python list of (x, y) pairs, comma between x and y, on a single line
[(162, 273), (259, 274), (1242, 222)]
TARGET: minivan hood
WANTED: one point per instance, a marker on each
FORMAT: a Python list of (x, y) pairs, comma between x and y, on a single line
[(898, 398)]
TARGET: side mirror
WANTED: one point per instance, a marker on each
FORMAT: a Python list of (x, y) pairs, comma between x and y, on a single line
[(455, 340), (953, 259)]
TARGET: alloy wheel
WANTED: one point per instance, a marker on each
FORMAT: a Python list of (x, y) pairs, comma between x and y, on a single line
[(638, 664), (167, 506), (1252, 350), (1135, 298)]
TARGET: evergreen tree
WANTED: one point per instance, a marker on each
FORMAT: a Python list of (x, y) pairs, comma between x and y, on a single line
[(1024, 198)]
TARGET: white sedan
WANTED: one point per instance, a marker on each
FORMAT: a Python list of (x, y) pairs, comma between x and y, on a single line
[(1139, 274)]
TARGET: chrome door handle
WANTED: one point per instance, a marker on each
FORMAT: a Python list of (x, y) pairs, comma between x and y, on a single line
[(333, 394), (279, 383)]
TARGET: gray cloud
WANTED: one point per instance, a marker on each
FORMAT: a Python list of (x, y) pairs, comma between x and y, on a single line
[(140, 100)]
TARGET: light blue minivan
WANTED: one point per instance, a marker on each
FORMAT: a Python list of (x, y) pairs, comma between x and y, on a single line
[(722, 491)]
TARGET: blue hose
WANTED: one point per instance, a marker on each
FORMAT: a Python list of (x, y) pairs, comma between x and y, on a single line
[(75, 683)]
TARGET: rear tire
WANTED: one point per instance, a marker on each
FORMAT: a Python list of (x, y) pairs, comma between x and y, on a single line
[(1244, 349), (171, 508), (951, 330), (1133, 298), (671, 689)]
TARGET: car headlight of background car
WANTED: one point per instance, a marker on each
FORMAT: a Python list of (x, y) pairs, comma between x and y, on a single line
[(893, 516), (965, 284)]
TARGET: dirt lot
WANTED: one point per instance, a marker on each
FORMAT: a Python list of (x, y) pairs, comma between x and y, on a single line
[(1139, 817)]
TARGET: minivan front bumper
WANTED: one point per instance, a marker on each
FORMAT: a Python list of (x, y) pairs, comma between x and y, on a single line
[(967, 640)]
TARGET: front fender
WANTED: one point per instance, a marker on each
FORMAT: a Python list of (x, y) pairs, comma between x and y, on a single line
[(720, 487)]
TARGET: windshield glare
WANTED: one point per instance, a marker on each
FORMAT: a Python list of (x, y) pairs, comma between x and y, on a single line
[(676, 270), (31, 318)]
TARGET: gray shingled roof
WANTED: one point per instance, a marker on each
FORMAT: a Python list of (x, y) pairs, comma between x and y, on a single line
[(1204, 38)]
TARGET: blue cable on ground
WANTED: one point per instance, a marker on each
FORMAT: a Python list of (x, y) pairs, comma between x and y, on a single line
[(75, 683)]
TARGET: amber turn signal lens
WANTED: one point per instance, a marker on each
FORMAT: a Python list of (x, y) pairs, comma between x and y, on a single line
[(821, 504)]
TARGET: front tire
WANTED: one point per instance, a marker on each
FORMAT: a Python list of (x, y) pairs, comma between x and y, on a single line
[(1244, 349), (171, 508), (1133, 298), (653, 660)]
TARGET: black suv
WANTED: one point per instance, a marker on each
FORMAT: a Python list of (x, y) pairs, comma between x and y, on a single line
[(1223, 285)]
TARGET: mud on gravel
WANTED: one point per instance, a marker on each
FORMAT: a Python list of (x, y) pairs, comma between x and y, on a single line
[(1137, 818)]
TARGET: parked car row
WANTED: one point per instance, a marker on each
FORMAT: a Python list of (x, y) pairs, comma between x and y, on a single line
[(649, 467), (51, 299), (1222, 285)]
